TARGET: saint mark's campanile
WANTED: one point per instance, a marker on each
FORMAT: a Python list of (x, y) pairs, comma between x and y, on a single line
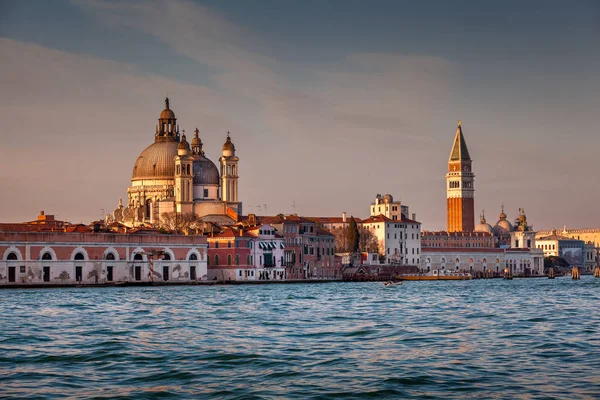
[(460, 192)]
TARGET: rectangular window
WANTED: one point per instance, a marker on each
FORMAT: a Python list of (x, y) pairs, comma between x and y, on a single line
[(205, 192)]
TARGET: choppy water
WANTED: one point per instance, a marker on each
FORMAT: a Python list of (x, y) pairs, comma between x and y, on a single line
[(526, 338)]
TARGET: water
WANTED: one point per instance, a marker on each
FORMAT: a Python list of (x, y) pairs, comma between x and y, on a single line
[(526, 338)]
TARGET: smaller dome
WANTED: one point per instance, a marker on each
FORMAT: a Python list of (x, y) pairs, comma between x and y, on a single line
[(387, 199), (228, 146), (483, 226), (196, 140), (205, 172), (167, 113), (183, 145)]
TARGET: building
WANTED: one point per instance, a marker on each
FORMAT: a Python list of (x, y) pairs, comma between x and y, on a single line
[(174, 176), (274, 248), (460, 189), (386, 206), (83, 256), (572, 250), (444, 239), (399, 240)]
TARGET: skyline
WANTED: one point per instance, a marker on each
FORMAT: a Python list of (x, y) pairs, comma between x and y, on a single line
[(320, 79)]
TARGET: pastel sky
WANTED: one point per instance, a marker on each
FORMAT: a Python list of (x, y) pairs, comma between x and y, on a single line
[(328, 102)]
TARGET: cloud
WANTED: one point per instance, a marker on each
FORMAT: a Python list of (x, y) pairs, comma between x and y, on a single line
[(329, 141)]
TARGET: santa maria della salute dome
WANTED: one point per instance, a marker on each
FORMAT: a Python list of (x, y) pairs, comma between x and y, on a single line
[(174, 175)]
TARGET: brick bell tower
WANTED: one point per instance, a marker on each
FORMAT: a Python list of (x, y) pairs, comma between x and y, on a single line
[(460, 191)]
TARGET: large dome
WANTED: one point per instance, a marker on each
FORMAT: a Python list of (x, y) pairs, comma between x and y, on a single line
[(156, 161), (205, 172)]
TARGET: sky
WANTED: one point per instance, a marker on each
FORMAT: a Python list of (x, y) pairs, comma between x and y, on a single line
[(328, 102)]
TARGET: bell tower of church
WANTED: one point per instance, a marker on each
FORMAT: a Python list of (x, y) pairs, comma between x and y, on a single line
[(460, 191), (184, 174), (229, 172)]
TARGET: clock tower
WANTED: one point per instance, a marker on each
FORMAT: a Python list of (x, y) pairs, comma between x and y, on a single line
[(460, 192)]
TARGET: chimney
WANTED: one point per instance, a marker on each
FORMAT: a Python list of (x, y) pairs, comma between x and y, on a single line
[(414, 216), (344, 216)]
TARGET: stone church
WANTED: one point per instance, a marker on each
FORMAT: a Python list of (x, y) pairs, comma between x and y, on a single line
[(174, 175)]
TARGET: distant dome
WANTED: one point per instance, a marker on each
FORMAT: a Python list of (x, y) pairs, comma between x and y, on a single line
[(228, 146), (156, 161), (483, 226), (387, 199), (167, 113), (183, 145), (205, 172), (504, 224)]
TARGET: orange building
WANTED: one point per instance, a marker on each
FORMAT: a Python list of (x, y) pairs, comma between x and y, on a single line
[(460, 191)]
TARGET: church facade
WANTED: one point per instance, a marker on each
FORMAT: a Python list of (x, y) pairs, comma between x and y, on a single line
[(174, 176)]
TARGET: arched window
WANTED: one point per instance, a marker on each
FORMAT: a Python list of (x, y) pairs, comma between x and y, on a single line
[(166, 256), (138, 257), (79, 256), (110, 257), (216, 259), (193, 257), (237, 259), (228, 259), (47, 256), (248, 260), (12, 256)]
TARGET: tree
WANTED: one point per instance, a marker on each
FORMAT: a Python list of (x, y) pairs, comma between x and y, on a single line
[(174, 221), (367, 241), (353, 236), (341, 239)]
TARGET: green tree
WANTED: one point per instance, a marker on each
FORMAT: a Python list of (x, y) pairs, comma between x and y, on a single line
[(353, 236)]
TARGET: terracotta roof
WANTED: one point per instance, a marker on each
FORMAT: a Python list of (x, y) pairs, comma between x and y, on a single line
[(455, 234), (333, 220), (383, 218), (461, 250), (558, 237)]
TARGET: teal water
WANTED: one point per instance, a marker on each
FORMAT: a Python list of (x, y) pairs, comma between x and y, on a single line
[(526, 338)]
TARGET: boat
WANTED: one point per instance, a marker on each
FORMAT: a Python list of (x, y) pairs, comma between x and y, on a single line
[(436, 275), (390, 283)]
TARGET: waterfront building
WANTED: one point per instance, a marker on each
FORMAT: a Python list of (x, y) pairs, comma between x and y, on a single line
[(84, 255), (460, 189), (572, 250), (276, 248), (174, 176), (230, 256), (399, 240), (443, 239)]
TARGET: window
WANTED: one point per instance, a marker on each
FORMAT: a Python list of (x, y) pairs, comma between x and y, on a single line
[(47, 256), (228, 259), (216, 245), (12, 256), (205, 192), (166, 256), (237, 259), (229, 244), (138, 257), (216, 259), (79, 256), (110, 257), (193, 257)]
